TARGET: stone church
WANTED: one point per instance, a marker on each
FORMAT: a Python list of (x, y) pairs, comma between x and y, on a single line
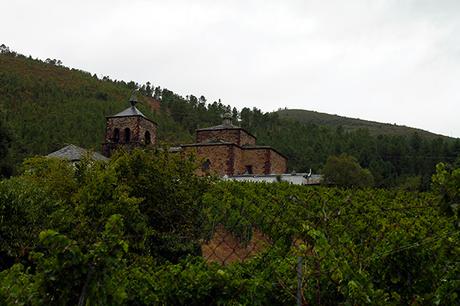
[(224, 149), (230, 150)]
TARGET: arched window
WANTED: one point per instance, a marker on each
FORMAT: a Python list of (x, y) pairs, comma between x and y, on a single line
[(127, 135), (147, 138), (116, 135), (206, 165)]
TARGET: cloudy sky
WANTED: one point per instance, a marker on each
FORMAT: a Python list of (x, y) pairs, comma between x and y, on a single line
[(395, 61)]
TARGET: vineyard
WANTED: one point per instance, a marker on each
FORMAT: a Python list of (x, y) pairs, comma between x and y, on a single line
[(359, 246), (143, 229)]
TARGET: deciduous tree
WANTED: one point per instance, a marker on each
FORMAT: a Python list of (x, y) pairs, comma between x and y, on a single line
[(345, 171)]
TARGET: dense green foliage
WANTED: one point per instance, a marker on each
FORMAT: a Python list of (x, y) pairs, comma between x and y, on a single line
[(128, 232), (5, 142), (345, 171), (47, 106), (446, 183)]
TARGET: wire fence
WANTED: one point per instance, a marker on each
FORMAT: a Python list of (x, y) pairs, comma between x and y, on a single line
[(256, 233), (224, 247)]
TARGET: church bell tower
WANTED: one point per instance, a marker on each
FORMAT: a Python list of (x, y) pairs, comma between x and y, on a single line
[(129, 129)]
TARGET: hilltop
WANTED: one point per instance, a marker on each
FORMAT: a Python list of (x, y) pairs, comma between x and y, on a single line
[(352, 124)]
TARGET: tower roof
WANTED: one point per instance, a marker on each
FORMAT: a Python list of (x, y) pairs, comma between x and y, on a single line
[(130, 111), (226, 124)]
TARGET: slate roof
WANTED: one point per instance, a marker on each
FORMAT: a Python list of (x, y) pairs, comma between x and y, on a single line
[(221, 127), (225, 126), (74, 153), (130, 111)]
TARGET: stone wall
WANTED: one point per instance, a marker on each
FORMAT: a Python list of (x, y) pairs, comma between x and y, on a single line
[(257, 158), (278, 163), (229, 159), (239, 166), (246, 139), (137, 126), (144, 126), (219, 155), (264, 161), (121, 123)]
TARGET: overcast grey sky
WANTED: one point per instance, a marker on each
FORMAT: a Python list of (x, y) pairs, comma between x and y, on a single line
[(395, 61)]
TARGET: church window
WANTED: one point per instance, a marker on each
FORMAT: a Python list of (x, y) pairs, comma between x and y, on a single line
[(206, 165), (147, 138), (127, 135), (116, 135)]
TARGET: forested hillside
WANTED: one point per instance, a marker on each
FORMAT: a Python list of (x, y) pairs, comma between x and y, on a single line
[(45, 105), (352, 124)]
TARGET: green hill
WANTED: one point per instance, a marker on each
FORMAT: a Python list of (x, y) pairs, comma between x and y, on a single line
[(352, 124), (45, 106)]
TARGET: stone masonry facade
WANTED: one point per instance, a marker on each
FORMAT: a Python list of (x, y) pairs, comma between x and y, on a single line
[(230, 150), (128, 131)]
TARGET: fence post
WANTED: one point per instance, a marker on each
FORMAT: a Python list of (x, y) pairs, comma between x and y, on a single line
[(299, 281)]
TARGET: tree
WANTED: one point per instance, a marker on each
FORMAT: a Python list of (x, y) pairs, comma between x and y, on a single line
[(69, 273), (446, 184), (235, 115), (148, 89), (345, 171), (157, 195), (169, 190), (4, 49), (157, 93), (5, 142)]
